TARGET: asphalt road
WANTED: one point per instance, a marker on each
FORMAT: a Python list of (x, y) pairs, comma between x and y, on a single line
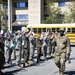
[(43, 68)]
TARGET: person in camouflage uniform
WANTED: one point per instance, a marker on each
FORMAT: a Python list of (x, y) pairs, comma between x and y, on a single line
[(39, 46), (2, 58), (26, 49), (49, 43), (62, 48), (18, 48)]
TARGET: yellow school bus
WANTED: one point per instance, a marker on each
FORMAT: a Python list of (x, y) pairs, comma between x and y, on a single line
[(69, 29)]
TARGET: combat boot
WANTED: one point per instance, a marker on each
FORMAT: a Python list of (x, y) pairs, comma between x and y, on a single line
[(61, 73), (52, 55), (18, 67), (49, 54), (27, 64)]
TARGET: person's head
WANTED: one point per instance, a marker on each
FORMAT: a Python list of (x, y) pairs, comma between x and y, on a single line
[(18, 32), (39, 34), (61, 31)]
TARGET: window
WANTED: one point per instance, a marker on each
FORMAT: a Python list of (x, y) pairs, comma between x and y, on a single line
[(39, 30), (5, 6), (26, 16), (44, 29), (61, 4), (58, 29), (53, 29), (68, 30), (21, 17), (17, 4), (35, 30), (21, 4), (48, 29), (26, 4), (73, 30), (5, 17)]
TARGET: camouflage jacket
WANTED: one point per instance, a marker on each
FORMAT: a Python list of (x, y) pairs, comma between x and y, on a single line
[(1, 46), (38, 42), (49, 40), (62, 44), (26, 42)]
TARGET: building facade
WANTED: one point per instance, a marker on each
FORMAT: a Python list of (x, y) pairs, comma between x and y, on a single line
[(24, 12)]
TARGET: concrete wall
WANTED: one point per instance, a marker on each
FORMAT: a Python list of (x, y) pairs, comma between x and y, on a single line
[(34, 11)]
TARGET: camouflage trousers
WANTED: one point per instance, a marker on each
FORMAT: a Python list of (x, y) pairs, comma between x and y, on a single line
[(50, 49), (60, 61), (2, 60), (38, 53), (18, 56), (26, 55)]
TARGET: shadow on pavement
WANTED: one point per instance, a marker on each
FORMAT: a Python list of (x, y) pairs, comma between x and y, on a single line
[(14, 72), (69, 73), (41, 61), (8, 73), (72, 58), (72, 45)]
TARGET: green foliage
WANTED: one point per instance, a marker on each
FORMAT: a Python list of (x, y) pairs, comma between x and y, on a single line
[(71, 16), (53, 13), (1, 1), (5, 28)]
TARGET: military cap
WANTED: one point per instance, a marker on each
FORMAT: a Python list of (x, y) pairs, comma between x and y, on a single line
[(56, 32), (18, 31), (61, 29)]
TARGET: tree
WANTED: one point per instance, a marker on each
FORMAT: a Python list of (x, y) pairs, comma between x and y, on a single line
[(71, 16), (1, 13), (1, 1), (54, 13), (5, 28)]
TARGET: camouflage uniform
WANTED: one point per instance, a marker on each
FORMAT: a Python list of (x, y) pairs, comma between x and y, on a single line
[(49, 44), (2, 58), (26, 50), (38, 45), (62, 45), (18, 48)]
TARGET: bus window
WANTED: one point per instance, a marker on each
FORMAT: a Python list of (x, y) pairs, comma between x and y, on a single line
[(35, 30), (58, 29), (44, 29), (53, 29), (48, 29), (73, 30), (39, 30), (68, 30)]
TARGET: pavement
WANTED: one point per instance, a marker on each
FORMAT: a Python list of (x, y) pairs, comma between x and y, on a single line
[(47, 67)]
